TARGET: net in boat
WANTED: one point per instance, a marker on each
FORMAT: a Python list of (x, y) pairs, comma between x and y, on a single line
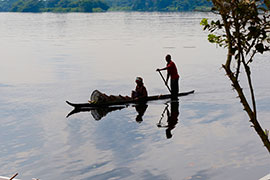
[(97, 96), (98, 113)]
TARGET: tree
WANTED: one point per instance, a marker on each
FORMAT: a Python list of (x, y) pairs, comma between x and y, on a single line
[(51, 3), (169, 5), (27, 6), (244, 30), (143, 5), (5, 5), (64, 3), (163, 4), (59, 6)]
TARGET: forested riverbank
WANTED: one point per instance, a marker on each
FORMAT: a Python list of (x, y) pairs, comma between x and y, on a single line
[(103, 5)]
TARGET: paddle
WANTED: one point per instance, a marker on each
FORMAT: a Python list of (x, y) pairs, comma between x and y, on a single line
[(13, 176), (164, 81), (162, 115)]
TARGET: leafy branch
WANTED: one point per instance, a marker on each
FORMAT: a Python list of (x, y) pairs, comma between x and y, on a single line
[(243, 29)]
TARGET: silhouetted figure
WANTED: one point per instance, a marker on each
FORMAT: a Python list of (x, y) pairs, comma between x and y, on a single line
[(140, 90), (173, 74), (140, 108), (172, 118)]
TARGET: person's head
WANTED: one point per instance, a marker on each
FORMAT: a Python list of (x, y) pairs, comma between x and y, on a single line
[(168, 58), (139, 80), (139, 119), (168, 133)]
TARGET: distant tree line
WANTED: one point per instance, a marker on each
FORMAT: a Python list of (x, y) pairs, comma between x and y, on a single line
[(171, 5), (102, 5), (53, 5)]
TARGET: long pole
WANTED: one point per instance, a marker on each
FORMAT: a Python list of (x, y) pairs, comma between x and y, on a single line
[(162, 115), (165, 81), (13, 176)]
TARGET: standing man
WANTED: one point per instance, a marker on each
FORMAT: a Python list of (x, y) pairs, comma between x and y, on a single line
[(173, 74)]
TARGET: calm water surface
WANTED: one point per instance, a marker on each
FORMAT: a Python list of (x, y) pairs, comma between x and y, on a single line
[(47, 59)]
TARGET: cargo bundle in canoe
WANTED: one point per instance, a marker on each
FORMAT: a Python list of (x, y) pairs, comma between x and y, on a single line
[(99, 99)]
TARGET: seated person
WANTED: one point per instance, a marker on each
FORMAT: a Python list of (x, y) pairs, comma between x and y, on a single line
[(140, 91)]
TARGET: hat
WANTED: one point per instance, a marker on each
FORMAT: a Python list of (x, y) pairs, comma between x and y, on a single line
[(139, 79)]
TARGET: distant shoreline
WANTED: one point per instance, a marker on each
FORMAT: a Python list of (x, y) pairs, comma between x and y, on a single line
[(105, 11), (92, 6)]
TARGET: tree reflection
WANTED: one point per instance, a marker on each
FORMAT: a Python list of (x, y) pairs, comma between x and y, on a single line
[(172, 118)]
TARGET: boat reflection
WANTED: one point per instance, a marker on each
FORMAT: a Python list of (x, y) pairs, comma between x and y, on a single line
[(99, 113), (172, 114), (172, 118)]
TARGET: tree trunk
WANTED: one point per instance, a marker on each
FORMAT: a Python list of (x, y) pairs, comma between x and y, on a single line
[(247, 108)]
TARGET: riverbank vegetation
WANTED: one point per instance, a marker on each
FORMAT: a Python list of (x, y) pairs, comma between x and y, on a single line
[(58, 6), (103, 5)]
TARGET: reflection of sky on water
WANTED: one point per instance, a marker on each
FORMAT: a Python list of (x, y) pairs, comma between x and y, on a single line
[(66, 56), (117, 146)]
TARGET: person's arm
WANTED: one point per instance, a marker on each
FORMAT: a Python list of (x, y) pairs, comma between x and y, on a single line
[(167, 79), (162, 69), (167, 67)]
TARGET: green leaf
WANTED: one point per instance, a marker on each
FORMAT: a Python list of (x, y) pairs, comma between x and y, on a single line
[(204, 22), (215, 39)]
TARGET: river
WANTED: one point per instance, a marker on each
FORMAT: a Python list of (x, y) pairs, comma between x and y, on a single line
[(49, 58)]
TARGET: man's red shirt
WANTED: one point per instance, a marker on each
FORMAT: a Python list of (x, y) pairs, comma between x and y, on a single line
[(172, 70)]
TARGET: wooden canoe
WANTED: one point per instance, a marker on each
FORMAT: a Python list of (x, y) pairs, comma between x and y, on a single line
[(122, 102)]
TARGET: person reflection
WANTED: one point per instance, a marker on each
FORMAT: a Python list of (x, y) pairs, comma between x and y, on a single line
[(172, 118), (140, 108)]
